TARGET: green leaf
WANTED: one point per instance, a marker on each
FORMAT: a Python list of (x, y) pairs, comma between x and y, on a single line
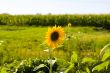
[(104, 48), (106, 55), (101, 66), (87, 70), (38, 67), (69, 68), (53, 61), (3, 70), (74, 57), (86, 59)]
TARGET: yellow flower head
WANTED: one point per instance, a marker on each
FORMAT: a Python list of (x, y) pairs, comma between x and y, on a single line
[(54, 36)]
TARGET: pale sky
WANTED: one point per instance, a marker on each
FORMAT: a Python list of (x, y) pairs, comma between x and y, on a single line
[(55, 6)]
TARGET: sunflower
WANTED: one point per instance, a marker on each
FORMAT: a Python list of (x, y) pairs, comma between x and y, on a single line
[(54, 36)]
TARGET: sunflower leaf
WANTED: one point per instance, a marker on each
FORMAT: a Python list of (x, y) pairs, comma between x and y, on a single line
[(38, 67), (69, 68), (104, 48), (89, 60), (87, 70), (101, 66), (74, 57), (106, 55)]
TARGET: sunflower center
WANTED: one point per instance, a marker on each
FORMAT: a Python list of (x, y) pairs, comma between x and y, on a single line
[(54, 36)]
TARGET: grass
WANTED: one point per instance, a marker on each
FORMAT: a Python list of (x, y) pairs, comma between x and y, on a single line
[(24, 42)]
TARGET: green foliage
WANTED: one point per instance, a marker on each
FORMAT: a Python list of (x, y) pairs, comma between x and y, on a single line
[(106, 55), (101, 66), (24, 42), (79, 66), (29, 66), (74, 57), (69, 68), (88, 60), (3, 70), (51, 20), (90, 65), (105, 63), (104, 48)]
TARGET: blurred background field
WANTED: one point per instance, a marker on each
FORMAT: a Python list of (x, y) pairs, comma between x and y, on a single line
[(85, 48), (22, 42), (22, 38)]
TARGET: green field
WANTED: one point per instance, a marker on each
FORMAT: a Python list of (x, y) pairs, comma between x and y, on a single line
[(21, 42), (26, 41)]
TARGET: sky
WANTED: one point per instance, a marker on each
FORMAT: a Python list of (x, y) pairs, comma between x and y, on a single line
[(55, 6)]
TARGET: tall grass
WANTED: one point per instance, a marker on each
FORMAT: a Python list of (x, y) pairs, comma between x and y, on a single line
[(24, 42)]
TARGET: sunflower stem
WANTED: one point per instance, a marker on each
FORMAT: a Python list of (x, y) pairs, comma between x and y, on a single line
[(50, 61), (69, 41)]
